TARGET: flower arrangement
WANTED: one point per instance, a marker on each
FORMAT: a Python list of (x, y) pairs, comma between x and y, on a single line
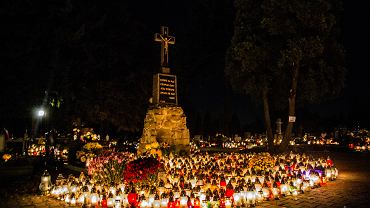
[(84, 156), (143, 171), (92, 146), (89, 150), (261, 161), (153, 145), (85, 134), (7, 157), (153, 149), (109, 167)]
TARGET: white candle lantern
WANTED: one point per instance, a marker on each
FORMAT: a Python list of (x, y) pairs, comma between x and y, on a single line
[(73, 188), (295, 194), (164, 202), (110, 202), (257, 186), (328, 173), (237, 199), (112, 190), (56, 191), (67, 199), (259, 195), (156, 203), (161, 190), (151, 199), (228, 203), (81, 199), (251, 197), (176, 195), (117, 203), (183, 201), (121, 186), (253, 178), (94, 199), (202, 196), (284, 189), (124, 200), (305, 186), (275, 192), (73, 200), (144, 204), (64, 189), (45, 185), (261, 179), (266, 192), (334, 173), (299, 182)]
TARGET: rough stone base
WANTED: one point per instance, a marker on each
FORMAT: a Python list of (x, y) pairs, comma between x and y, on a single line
[(167, 126)]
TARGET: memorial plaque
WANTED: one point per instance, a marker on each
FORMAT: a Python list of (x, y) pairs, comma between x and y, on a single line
[(165, 89), (291, 119)]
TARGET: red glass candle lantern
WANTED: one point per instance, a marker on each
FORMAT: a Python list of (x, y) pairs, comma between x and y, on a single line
[(171, 204), (132, 199), (104, 202), (223, 182), (329, 162), (222, 203), (229, 190), (189, 204), (196, 203), (177, 203)]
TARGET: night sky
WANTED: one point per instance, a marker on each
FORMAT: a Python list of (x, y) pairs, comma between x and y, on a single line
[(202, 29)]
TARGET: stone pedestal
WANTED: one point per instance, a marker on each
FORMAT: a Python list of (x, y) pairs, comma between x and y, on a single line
[(165, 125)]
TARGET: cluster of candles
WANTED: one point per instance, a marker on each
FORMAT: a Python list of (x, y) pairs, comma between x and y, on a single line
[(36, 150), (40, 150), (203, 180)]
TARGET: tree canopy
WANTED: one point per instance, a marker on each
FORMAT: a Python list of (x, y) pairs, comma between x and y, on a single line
[(99, 57), (283, 50)]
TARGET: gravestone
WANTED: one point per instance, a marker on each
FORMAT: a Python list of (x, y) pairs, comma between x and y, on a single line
[(278, 126), (278, 135), (165, 121)]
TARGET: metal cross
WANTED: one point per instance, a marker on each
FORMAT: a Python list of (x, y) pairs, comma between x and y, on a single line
[(165, 39)]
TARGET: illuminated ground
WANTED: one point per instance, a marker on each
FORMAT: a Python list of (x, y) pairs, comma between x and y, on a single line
[(351, 189)]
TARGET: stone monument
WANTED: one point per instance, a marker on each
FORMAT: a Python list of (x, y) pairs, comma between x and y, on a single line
[(278, 126), (165, 121), (278, 135)]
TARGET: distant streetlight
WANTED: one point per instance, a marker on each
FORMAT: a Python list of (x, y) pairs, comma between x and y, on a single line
[(41, 116), (41, 113)]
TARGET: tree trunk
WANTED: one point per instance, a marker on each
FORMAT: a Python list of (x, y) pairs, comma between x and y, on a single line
[(291, 109), (266, 110)]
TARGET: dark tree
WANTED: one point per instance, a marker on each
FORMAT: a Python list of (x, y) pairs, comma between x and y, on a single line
[(99, 67), (286, 51)]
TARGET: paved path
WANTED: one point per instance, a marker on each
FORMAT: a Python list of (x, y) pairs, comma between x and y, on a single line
[(351, 189)]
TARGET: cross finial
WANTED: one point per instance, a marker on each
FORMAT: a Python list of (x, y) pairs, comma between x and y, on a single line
[(165, 39)]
